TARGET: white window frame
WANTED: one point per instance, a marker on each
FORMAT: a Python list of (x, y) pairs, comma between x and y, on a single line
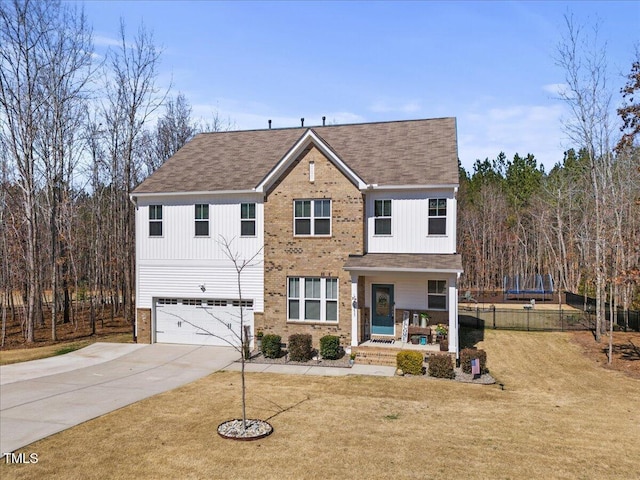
[(301, 295), (382, 216), (248, 219), (433, 285), (202, 219), (312, 217), (155, 219), (436, 214)]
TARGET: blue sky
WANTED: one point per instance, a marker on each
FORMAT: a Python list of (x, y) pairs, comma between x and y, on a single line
[(490, 64)]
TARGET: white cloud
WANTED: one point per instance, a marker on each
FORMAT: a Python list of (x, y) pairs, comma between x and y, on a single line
[(102, 41), (556, 89), (250, 116), (385, 106), (522, 129)]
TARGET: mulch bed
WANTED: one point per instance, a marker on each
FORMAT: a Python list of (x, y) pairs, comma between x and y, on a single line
[(258, 357), (626, 350)]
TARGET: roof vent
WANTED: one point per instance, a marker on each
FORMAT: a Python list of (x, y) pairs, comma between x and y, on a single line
[(323, 119), (302, 121), (269, 124)]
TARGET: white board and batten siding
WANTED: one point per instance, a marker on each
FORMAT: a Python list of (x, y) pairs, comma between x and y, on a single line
[(410, 289), (178, 269), (409, 223)]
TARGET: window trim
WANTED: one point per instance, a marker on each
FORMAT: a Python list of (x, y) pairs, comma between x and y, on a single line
[(312, 217), (324, 299), (445, 295), (437, 216), (153, 219), (382, 217), (249, 219), (201, 220)]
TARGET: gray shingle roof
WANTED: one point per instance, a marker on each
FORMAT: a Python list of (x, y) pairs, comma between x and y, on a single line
[(411, 152), (405, 262)]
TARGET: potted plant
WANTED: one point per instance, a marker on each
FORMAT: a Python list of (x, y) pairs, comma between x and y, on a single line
[(352, 358), (415, 339), (424, 319), (444, 345), (259, 336), (442, 330)]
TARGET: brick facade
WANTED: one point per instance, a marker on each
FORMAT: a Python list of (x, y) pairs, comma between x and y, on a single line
[(288, 256)]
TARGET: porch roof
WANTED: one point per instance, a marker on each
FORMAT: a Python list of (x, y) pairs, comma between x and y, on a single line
[(405, 262)]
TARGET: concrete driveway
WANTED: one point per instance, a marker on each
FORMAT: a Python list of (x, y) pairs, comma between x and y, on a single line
[(43, 397)]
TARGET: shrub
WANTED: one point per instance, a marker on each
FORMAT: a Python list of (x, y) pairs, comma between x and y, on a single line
[(467, 354), (409, 361), (271, 346), (441, 366), (330, 347), (300, 347)]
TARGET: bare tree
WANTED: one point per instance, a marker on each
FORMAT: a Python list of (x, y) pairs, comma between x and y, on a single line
[(583, 61), (131, 99), (242, 336), (23, 27)]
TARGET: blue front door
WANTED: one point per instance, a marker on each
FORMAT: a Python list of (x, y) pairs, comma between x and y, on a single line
[(382, 310)]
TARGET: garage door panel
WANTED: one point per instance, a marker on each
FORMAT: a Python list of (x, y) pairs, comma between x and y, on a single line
[(200, 325)]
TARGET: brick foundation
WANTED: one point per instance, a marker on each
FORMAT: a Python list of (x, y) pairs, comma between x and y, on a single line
[(143, 324)]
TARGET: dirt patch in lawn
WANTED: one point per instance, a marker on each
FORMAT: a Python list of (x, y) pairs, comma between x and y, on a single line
[(560, 416), (626, 350)]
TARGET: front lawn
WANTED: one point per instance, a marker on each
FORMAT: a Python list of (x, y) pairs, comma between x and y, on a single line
[(560, 415)]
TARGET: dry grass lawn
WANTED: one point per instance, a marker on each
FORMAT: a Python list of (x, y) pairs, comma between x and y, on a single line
[(560, 415)]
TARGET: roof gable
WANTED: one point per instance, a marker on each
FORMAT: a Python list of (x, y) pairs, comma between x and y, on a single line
[(412, 152), (309, 137)]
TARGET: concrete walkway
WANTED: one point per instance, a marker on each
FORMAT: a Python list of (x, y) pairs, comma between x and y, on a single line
[(43, 397), (380, 371)]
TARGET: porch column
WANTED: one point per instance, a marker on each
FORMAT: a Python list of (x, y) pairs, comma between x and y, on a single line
[(354, 310), (453, 315)]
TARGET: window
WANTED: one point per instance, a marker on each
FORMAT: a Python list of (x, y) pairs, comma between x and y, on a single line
[(383, 217), (437, 295), (202, 220), (155, 220), (248, 219), (312, 217), (437, 216), (312, 299)]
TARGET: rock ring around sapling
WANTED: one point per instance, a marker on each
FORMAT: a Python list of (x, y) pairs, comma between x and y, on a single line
[(254, 429)]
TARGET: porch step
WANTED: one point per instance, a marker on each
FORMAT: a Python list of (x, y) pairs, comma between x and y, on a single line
[(386, 356), (376, 356)]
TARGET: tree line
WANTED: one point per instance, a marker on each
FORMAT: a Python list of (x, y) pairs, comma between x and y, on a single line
[(80, 129), (580, 222)]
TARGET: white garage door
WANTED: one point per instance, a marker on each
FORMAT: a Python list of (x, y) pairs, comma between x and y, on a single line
[(200, 322)]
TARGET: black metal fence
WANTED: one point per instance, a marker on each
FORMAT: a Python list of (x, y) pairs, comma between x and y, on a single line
[(532, 319), (528, 318), (624, 319)]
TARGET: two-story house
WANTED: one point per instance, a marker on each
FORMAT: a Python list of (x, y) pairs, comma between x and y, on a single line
[(352, 226)]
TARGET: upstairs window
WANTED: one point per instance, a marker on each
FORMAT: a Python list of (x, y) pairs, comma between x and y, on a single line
[(437, 216), (312, 217), (437, 295), (155, 220), (202, 220), (248, 219), (382, 217)]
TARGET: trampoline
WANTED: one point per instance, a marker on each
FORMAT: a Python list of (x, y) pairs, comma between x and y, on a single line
[(521, 286)]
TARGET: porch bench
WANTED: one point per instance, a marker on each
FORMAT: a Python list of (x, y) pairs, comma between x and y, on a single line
[(422, 331)]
